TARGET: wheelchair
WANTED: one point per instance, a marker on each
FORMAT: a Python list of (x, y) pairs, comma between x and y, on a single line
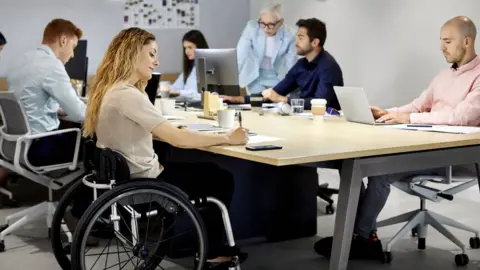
[(136, 223)]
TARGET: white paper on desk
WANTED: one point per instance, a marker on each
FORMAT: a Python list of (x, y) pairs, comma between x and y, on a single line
[(262, 139), (310, 115), (438, 128), (240, 106), (174, 117)]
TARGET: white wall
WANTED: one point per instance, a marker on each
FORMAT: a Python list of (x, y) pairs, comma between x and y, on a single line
[(391, 48), (22, 23)]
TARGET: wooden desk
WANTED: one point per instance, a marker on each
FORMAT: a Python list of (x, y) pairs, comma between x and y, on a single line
[(365, 150)]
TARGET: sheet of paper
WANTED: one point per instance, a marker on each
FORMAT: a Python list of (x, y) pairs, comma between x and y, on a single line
[(436, 128), (262, 139), (174, 117), (309, 115), (240, 106)]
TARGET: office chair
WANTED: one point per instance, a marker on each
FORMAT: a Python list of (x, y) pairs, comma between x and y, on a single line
[(15, 141), (325, 193), (418, 220)]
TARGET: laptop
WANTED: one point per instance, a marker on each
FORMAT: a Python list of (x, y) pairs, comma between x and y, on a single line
[(355, 107), (152, 87)]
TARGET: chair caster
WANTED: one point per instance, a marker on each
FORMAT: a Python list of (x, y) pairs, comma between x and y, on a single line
[(421, 243), (2, 246), (387, 257), (329, 209), (461, 259), (414, 232), (475, 243)]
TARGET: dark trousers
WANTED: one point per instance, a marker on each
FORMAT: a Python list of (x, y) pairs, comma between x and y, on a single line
[(56, 149), (204, 180)]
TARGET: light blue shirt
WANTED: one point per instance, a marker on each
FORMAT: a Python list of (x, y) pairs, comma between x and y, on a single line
[(41, 83), (251, 52), (187, 89)]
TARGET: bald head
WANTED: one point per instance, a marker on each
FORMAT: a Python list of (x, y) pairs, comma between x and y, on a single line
[(464, 25), (458, 40)]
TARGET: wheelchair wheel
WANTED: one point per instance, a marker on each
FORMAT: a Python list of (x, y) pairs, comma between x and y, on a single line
[(60, 235), (148, 221)]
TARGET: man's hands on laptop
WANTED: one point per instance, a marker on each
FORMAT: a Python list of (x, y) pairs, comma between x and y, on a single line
[(400, 118), (378, 112), (383, 116)]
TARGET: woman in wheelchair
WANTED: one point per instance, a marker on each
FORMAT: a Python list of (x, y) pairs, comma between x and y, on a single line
[(121, 117)]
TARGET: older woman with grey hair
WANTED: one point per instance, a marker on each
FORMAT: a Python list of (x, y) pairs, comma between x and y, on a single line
[(266, 50)]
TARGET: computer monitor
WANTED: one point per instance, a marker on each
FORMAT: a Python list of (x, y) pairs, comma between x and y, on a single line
[(217, 71), (152, 87), (77, 67)]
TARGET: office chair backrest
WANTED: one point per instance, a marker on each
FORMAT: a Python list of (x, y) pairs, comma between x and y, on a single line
[(15, 123), (111, 165)]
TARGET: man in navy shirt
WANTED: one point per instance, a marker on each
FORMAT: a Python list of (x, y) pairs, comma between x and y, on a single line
[(314, 75)]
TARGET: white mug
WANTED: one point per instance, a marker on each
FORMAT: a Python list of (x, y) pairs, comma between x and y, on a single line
[(167, 106), (226, 118)]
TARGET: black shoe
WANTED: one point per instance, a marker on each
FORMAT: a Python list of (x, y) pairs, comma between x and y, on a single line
[(361, 248)]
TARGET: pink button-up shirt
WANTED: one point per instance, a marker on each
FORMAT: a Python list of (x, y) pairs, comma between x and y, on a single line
[(452, 98)]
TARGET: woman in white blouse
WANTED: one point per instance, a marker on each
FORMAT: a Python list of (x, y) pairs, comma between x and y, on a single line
[(186, 84)]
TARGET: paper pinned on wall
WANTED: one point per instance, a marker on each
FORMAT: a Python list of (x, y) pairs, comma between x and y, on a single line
[(161, 14)]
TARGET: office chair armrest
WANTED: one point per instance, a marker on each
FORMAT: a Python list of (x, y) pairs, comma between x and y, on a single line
[(27, 139)]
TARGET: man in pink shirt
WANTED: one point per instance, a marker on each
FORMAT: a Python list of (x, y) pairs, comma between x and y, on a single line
[(453, 98)]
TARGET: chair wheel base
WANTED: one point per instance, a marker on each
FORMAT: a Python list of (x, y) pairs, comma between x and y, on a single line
[(461, 259), (475, 243), (329, 209), (2, 246), (387, 257)]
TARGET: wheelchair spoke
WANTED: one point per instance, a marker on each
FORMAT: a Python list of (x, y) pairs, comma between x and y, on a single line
[(148, 219), (126, 261), (118, 253), (131, 258), (108, 251), (99, 256)]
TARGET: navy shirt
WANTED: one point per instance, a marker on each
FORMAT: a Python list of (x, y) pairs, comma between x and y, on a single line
[(314, 79)]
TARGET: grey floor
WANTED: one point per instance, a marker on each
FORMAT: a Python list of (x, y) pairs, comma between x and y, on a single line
[(30, 248)]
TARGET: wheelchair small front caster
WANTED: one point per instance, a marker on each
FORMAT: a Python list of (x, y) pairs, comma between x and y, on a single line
[(235, 264), (329, 209), (475, 243), (387, 257), (67, 248), (461, 259), (2, 246)]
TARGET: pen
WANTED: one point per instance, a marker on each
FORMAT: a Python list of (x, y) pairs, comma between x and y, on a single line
[(240, 118), (425, 126)]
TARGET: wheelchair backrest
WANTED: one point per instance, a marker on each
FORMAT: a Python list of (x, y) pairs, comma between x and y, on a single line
[(105, 163)]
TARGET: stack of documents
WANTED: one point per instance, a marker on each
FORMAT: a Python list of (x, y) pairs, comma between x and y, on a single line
[(436, 128)]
